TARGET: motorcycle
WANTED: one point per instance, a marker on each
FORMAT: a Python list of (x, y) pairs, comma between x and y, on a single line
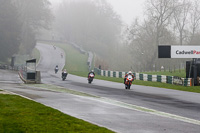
[(56, 70), (128, 82), (90, 78), (64, 75)]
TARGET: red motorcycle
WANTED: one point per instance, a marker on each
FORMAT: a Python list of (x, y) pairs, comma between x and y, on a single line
[(90, 78), (128, 81)]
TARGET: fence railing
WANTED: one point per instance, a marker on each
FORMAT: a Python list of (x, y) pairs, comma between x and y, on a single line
[(21, 70)]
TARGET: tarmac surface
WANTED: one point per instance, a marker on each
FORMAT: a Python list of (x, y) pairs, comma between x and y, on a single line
[(141, 109)]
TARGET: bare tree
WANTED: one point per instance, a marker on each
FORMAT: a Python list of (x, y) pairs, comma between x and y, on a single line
[(181, 14), (141, 36), (154, 30), (34, 15), (160, 12), (10, 27), (195, 18), (162, 17)]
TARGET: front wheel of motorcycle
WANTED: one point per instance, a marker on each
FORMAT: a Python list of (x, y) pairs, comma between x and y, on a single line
[(125, 86), (129, 86)]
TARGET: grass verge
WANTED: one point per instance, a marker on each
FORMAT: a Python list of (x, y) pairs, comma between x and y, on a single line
[(179, 73), (20, 115), (60, 89), (75, 61)]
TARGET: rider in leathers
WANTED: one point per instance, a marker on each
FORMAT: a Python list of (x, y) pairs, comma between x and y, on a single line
[(56, 69), (90, 73), (129, 73), (64, 73)]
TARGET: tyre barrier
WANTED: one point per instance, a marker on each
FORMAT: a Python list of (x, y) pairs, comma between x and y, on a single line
[(146, 77)]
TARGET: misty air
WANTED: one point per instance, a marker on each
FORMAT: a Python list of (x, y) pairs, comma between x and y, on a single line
[(90, 66)]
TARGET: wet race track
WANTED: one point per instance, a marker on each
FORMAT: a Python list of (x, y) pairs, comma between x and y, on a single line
[(138, 110)]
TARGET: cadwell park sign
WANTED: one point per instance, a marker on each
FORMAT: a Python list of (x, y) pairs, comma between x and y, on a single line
[(178, 51), (187, 52)]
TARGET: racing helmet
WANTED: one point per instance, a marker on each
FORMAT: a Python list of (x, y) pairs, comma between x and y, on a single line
[(129, 72)]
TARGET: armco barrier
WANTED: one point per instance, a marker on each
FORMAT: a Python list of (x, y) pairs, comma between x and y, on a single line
[(144, 77)]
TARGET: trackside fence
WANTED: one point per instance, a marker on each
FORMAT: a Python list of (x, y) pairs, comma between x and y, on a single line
[(146, 77)]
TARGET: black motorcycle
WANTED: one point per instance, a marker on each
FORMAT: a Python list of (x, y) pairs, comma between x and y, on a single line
[(64, 75), (56, 70)]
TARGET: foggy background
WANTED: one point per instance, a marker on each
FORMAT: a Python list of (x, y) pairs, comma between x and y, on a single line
[(122, 36)]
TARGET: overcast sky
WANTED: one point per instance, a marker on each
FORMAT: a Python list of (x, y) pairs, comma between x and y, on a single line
[(127, 9)]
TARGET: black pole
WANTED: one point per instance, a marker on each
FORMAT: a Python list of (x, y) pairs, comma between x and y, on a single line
[(195, 71)]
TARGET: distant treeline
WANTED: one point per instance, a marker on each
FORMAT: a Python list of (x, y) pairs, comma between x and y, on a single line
[(20, 20)]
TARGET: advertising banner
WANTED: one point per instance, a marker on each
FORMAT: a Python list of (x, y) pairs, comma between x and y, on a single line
[(185, 51)]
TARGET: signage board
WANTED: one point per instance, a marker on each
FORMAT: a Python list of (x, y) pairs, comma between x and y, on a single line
[(185, 51), (164, 51)]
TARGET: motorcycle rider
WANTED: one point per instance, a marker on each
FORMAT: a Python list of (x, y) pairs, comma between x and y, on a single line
[(92, 71), (56, 69), (129, 73), (64, 73)]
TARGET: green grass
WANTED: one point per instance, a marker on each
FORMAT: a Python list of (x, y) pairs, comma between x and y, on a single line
[(178, 73), (19, 115), (75, 61)]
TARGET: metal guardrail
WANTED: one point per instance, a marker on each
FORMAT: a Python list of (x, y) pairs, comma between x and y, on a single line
[(7, 67), (21, 70), (4, 66)]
